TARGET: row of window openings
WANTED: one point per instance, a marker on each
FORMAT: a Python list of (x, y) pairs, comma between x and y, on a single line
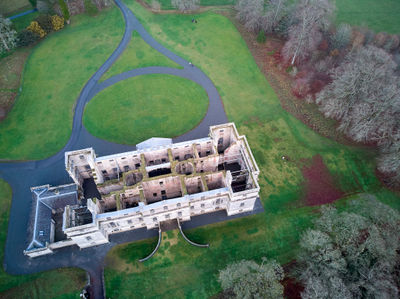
[(115, 169), (179, 213), (167, 216)]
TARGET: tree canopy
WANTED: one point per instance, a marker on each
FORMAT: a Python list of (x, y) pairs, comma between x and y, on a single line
[(247, 279), (352, 255)]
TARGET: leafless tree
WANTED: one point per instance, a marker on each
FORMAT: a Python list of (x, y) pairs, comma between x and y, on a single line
[(364, 96), (247, 279), (185, 5), (311, 17), (8, 36), (342, 37), (250, 13), (352, 255), (389, 161), (275, 11)]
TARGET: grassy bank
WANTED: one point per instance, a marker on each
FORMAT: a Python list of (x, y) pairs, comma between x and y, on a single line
[(147, 106), (61, 283)]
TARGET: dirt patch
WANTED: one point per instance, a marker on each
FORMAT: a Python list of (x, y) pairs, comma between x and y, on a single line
[(292, 288), (11, 68), (320, 186)]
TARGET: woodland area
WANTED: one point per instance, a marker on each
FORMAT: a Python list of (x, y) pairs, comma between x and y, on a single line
[(352, 73)]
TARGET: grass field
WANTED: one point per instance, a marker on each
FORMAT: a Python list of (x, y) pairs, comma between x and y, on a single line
[(138, 108), (184, 271), (138, 54), (378, 15), (61, 283), (54, 74)]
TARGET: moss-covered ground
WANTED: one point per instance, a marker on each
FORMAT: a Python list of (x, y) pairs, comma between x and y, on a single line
[(53, 76), (61, 283), (180, 270), (138, 108)]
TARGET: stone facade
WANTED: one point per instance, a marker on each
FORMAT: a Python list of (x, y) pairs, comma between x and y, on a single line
[(145, 187)]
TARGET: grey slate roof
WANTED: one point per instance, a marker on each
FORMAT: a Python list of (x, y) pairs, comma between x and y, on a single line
[(45, 200)]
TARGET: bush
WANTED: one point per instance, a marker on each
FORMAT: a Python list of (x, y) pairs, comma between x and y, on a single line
[(64, 9), (261, 38), (155, 5), (26, 38), (57, 22), (45, 22), (33, 3), (35, 27), (90, 8)]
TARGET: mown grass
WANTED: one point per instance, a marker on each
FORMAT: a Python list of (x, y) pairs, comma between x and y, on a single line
[(214, 45), (138, 54), (147, 106), (378, 15), (40, 123), (65, 283)]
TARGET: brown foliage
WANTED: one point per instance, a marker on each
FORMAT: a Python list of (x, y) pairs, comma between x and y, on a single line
[(380, 39)]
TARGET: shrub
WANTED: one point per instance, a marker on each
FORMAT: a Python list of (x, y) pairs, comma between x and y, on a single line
[(7, 35), (35, 27), (33, 3), (45, 22), (90, 8), (341, 38), (380, 39), (57, 22), (155, 5), (261, 38), (26, 38), (64, 9), (392, 43)]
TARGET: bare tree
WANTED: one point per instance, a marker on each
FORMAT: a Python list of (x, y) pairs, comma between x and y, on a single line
[(342, 37), (364, 96), (311, 17), (185, 5), (247, 279), (275, 11), (389, 162), (250, 13), (8, 36)]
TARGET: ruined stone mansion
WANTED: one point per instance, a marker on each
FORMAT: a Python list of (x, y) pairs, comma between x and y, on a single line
[(160, 181)]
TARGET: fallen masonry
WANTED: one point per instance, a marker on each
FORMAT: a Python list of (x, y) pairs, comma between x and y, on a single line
[(160, 181)]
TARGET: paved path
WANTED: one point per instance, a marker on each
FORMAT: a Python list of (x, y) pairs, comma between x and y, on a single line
[(22, 175)]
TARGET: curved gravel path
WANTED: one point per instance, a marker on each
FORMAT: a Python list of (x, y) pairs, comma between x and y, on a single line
[(23, 175)]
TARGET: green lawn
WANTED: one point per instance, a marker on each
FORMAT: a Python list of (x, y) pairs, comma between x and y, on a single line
[(61, 283), (147, 106), (181, 270), (40, 123), (378, 15), (138, 54)]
